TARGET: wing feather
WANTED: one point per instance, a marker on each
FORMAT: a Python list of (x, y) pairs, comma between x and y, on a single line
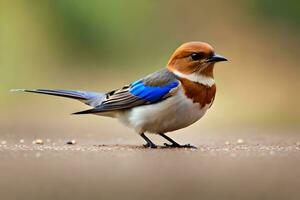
[(141, 92)]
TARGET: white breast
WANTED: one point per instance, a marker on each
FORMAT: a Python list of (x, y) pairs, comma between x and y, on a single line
[(172, 114), (197, 78)]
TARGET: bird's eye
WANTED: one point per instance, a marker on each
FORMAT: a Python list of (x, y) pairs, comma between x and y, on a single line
[(196, 56)]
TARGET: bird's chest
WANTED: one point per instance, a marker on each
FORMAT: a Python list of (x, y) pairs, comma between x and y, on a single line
[(199, 93)]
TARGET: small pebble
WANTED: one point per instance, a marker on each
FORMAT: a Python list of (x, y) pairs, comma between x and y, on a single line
[(72, 142), (48, 140), (3, 142), (22, 141), (227, 143), (240, 141), (38, 141)]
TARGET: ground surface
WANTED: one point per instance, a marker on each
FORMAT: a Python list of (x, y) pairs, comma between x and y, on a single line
[(253, 167)]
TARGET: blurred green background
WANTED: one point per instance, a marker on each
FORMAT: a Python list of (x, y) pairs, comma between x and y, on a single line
[(100, 45)]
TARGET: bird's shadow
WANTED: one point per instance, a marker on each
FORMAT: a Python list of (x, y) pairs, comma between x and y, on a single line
[(139, 147)]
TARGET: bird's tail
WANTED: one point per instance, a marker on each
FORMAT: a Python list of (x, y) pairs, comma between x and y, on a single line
[(83, 96)]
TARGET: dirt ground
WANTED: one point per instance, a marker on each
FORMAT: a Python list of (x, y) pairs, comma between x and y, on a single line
[(251, 167)]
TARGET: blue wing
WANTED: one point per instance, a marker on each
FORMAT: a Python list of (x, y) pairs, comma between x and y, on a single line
[(151, 94), (152, 89)]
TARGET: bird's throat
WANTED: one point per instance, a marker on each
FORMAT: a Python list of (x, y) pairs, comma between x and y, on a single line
[(208, 71), (199, 86)]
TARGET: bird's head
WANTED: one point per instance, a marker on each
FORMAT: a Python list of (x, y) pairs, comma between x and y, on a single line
[(193, 58)]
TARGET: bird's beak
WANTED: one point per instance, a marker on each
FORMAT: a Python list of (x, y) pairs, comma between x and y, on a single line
[(216, 58)]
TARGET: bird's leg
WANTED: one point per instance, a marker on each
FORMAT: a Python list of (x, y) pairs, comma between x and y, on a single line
[(149, 143), (175, 144)]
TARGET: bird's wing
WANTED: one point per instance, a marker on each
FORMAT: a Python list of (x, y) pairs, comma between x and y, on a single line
[(152, 89)]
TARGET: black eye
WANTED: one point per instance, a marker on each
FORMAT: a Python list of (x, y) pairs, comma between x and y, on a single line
[(196, 56)]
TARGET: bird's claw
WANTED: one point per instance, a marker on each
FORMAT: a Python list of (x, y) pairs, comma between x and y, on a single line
[(174, 145), (149, 145)]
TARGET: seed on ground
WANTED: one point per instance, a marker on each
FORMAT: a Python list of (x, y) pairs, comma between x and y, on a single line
[(240, 141), (38, 141), (72, 142)]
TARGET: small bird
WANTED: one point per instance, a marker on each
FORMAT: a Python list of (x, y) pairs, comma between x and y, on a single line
[(164, 101)]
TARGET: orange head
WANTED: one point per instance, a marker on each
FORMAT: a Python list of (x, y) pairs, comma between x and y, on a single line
[(194, 58)]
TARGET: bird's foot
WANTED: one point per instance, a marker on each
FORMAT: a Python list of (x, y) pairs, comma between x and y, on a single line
[(176, 145), (150, 146)]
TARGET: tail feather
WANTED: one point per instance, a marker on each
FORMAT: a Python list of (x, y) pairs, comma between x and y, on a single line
[(84, 96)]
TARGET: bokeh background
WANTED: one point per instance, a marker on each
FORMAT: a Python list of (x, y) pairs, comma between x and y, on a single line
[(249, 140), (101, 45)]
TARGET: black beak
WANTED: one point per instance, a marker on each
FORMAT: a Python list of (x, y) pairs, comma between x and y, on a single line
[(216, 58)]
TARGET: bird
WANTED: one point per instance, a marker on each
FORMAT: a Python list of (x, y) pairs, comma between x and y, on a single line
[(167, 100)]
